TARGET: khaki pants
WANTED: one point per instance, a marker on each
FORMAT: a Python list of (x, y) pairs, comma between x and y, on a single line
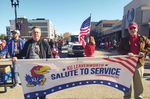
[(137, 84)]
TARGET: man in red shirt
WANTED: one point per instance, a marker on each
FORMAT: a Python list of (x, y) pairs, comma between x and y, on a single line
[(135, 44)]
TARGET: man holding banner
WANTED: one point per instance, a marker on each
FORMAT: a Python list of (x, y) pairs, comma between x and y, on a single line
[(36, 48), (13, 48), (132, 45)]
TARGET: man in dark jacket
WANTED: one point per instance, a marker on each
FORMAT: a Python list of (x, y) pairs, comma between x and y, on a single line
[(36, 48), (135, 44)]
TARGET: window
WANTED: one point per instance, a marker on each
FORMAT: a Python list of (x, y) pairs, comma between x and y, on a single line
[(107, 25)]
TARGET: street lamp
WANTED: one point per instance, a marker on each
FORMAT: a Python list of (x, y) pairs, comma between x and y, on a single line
[(15, 3)]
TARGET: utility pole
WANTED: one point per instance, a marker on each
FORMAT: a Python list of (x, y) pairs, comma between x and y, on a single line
[(15, 4)]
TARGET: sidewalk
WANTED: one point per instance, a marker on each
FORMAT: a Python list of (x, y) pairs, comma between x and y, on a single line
[(85, 91)]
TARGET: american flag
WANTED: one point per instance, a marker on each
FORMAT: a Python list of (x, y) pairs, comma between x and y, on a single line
[(85, 30)]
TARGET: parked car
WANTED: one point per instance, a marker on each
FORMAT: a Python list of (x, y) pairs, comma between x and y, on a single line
[(75, 49)]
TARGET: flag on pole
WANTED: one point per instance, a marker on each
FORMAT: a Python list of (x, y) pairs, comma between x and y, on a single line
[(85, 27), (85, 30)]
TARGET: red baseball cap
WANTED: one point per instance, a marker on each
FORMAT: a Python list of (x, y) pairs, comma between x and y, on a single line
[(133, 24)]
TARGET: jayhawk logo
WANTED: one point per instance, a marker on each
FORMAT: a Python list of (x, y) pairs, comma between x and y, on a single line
[(37, 76)]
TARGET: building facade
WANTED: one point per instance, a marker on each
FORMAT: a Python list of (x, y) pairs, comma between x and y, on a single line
[(24, 25), (138, 11), (113, 33), (101, 30), (47, 28)]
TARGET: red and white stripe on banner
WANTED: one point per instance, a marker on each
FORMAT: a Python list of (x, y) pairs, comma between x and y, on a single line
[(128, 62)]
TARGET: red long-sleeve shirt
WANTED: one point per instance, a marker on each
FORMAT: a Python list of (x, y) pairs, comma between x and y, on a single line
[(89, 50), (134, 44)]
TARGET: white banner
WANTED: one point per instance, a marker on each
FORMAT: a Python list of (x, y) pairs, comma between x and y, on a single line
[(41, 77)]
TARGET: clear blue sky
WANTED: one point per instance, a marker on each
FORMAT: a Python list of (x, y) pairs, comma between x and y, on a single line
[(66, 15)]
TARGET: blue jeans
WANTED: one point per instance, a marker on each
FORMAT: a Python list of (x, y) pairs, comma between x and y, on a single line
[(14, 73)]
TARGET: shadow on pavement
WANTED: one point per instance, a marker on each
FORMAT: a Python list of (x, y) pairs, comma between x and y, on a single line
[(148, 79), (147, 76)]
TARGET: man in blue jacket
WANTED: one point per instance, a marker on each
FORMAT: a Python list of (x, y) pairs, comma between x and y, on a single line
[(13, 48)]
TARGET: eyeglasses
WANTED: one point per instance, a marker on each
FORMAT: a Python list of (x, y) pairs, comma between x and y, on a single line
[(131, 28)]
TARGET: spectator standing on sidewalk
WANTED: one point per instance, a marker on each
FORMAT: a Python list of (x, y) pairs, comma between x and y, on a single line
[(90, 47), (4, 40), (135, 44), (13, 48), (36, 48), (51, 43), (1, 48), (1, 45)]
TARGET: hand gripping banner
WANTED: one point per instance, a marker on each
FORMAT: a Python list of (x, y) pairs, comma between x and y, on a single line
[(41, 77)]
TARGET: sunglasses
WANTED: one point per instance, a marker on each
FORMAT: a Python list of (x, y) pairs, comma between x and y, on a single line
[(131, 28)]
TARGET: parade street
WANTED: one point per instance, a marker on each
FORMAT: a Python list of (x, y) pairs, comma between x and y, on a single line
[(63, 49), (93, 91)]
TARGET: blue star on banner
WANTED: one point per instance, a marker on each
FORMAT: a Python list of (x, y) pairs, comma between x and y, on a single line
[(74, 84)]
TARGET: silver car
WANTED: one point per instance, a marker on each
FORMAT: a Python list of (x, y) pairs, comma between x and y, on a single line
[(75, 49)]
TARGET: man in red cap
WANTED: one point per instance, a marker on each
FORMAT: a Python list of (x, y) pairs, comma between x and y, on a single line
[(132, 45), (133, 24)]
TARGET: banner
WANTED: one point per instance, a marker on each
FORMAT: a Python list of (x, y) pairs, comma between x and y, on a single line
[(41, 77)]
